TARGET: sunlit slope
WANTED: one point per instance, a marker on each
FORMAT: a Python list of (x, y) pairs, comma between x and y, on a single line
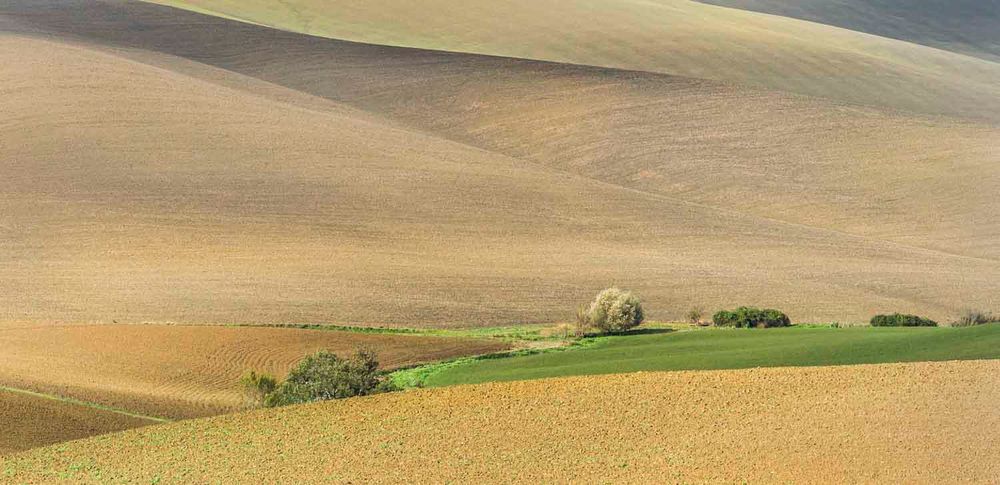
[(186, 200), (966, 26), (669, 36), (896, 423), (203, 195), (924, 182), (916, 181)]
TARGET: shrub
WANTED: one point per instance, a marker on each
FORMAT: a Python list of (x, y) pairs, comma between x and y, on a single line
[(749, 317), (975, 317), (324, 376), (901, 320), (582, 321), (563, 331), (256, 386), (695, 314), (615, 310)]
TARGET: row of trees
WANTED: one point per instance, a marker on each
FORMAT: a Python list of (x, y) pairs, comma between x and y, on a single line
[(615, 311)]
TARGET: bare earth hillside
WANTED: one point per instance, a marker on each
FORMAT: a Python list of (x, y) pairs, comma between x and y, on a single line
[(681, 37), (247, 174), (873, 423)]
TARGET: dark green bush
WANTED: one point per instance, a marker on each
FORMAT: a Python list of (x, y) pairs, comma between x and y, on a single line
[(749, 317), (323, 376), (901, 320)]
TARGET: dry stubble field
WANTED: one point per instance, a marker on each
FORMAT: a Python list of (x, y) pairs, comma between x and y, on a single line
[(186, 371), (868, 423)]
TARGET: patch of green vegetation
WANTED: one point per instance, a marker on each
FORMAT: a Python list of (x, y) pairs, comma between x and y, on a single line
[(901, 320), (732, 349), (84, 403), (417, 376)]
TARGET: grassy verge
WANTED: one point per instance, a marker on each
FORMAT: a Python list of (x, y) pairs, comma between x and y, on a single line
[(88, 404), (728, 349), (417, 376)]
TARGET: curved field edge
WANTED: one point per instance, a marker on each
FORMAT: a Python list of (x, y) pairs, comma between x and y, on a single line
[(724, 349), (677, 37), (834, 424), (179, 371)]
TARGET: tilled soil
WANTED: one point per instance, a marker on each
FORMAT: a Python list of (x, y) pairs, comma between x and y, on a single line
[(31, 421), (892, 423), (187, 371), (163, 166)]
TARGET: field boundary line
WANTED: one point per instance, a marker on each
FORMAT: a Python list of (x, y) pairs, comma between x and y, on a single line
[(416, 377), (78, 402)]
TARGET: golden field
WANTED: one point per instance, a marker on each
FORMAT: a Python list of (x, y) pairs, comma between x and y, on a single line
[(871, 423), (190, 189), (314, 180)]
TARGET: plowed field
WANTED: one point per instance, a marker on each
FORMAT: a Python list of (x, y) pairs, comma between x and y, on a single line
[(32, 421), (186, 371), (893, 423)]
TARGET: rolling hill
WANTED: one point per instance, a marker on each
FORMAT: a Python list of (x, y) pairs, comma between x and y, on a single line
[(963, 26), (248, 174), (680, 37), (878, 423)]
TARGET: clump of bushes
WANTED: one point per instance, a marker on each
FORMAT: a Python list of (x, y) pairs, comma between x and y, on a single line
[(257, 386), (612, 311), (749, 317), (901, 320), (694, 315), (320, 377), (975, 317)]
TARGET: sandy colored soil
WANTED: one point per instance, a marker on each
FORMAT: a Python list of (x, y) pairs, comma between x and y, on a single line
[(912, 423), (680, 37), (311, 180), (30, 422), (186, 371)]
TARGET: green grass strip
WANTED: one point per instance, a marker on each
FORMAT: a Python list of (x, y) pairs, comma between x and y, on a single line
[(418, 376), (733, 349), (88, 404)]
